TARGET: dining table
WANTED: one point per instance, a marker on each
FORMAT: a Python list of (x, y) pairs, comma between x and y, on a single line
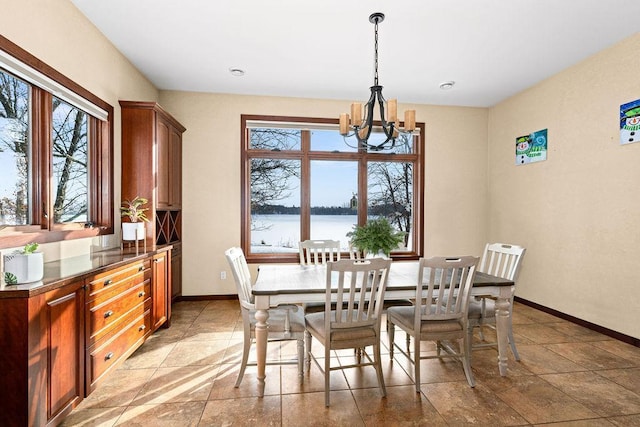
[(295, 284)]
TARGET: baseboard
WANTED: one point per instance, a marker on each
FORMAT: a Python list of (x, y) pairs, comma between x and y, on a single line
[(608, 332), (207, 297)]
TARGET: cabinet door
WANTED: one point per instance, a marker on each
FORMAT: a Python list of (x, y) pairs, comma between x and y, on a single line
[(176, 275), (161, 293), (162, 160), (63, 317), (175, 168)]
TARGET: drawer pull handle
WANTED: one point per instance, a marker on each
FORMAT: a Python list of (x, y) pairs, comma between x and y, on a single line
[(141, 294), (141, 268), (107, 282), (142, 328), (108, 314), (109, 356)]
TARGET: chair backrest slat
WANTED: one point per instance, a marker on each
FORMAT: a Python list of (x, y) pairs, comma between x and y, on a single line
[(319, 252), (359, 288), (502, 260), (443, 288), (241, 275)]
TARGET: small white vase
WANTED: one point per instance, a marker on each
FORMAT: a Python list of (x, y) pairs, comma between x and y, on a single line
[(133, 231), (26, 267)]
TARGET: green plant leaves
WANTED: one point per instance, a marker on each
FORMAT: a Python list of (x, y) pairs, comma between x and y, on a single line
[(10, 279)]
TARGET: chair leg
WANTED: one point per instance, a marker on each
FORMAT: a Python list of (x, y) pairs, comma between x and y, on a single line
[(465, 348), (307, 339), (378, 366), (245, 355), (301, 359), (416, 362), (327, 374), (512, 343), (391, 332)]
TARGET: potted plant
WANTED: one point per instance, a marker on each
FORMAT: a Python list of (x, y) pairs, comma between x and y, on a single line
[(24, 266), (134, 210), (376, 237)]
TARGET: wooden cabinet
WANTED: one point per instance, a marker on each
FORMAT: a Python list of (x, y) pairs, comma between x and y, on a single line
[(41, 347), (152, 168), (176, 271), (118, 314), (60, 338), (161, 290)]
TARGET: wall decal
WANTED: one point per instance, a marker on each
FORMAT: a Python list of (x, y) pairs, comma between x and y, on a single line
[(531, 148), (630, 122)]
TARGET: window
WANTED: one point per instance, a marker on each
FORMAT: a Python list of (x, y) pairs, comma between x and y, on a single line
[(56, 154), (300, 180)]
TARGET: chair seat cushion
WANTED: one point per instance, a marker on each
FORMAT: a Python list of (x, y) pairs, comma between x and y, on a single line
[(388, 303), (315, 325), (277, 317), (404, 317)]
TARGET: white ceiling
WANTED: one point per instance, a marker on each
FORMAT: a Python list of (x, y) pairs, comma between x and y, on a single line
[(492, 49)]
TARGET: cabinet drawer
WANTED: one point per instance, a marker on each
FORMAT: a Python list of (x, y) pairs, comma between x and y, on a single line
[(102, 317), (110, 351), (103, 286)]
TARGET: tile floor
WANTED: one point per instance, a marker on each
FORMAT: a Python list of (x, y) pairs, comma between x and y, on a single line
[(184, 376)]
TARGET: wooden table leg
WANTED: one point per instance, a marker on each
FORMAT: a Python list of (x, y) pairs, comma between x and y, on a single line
[(502, 327), (262, 333)]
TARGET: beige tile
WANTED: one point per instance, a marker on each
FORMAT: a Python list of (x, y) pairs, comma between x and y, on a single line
[(183, 414), (208, 331), (402, 406), (590, 356), (307, 409), (97, 417), (626, 421), (627, 378), (118, 389), (223, 385), (540, 360), (596, 422), (177, 384), (460, 404), (366, 377), (313, 380), (577, 332), (599, 394), (540, 402), (540, 333), (187, 353), (149, 355), (248, 411), (621, 349)]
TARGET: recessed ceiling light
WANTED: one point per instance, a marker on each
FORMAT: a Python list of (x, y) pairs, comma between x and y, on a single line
[(447, 85), (236, 72)]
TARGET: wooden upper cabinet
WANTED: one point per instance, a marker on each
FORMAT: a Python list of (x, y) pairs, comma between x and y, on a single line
[(152, 166), (164, 174)]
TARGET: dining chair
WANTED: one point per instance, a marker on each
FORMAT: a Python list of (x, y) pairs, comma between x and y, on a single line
[(502, 260), (286, 322), (319, 252), (358, 289), (440, 312)]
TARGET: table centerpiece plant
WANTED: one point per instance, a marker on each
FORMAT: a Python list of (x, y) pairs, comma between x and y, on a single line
[(377, 237)]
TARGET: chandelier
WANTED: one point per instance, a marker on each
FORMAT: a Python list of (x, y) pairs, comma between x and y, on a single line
[(356, 126)]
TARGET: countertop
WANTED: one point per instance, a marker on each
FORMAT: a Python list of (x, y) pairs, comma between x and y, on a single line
[(61, 272)]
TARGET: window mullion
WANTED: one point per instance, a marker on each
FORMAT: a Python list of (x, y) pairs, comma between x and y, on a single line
[(305, 185)]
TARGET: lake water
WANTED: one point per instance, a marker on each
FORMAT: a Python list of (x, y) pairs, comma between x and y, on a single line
[(281, 233)]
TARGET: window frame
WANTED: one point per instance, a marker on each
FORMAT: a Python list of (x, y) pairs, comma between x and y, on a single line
[(306, 156), (42, 228)]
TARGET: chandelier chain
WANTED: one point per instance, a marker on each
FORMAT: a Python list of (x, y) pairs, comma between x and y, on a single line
[(375, 76)]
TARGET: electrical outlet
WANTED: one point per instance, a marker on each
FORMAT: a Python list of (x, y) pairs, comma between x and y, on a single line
[(223, 275)]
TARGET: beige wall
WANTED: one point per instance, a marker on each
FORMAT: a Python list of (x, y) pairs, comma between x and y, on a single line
[(59, 35), (456, 202), (577, 212)]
